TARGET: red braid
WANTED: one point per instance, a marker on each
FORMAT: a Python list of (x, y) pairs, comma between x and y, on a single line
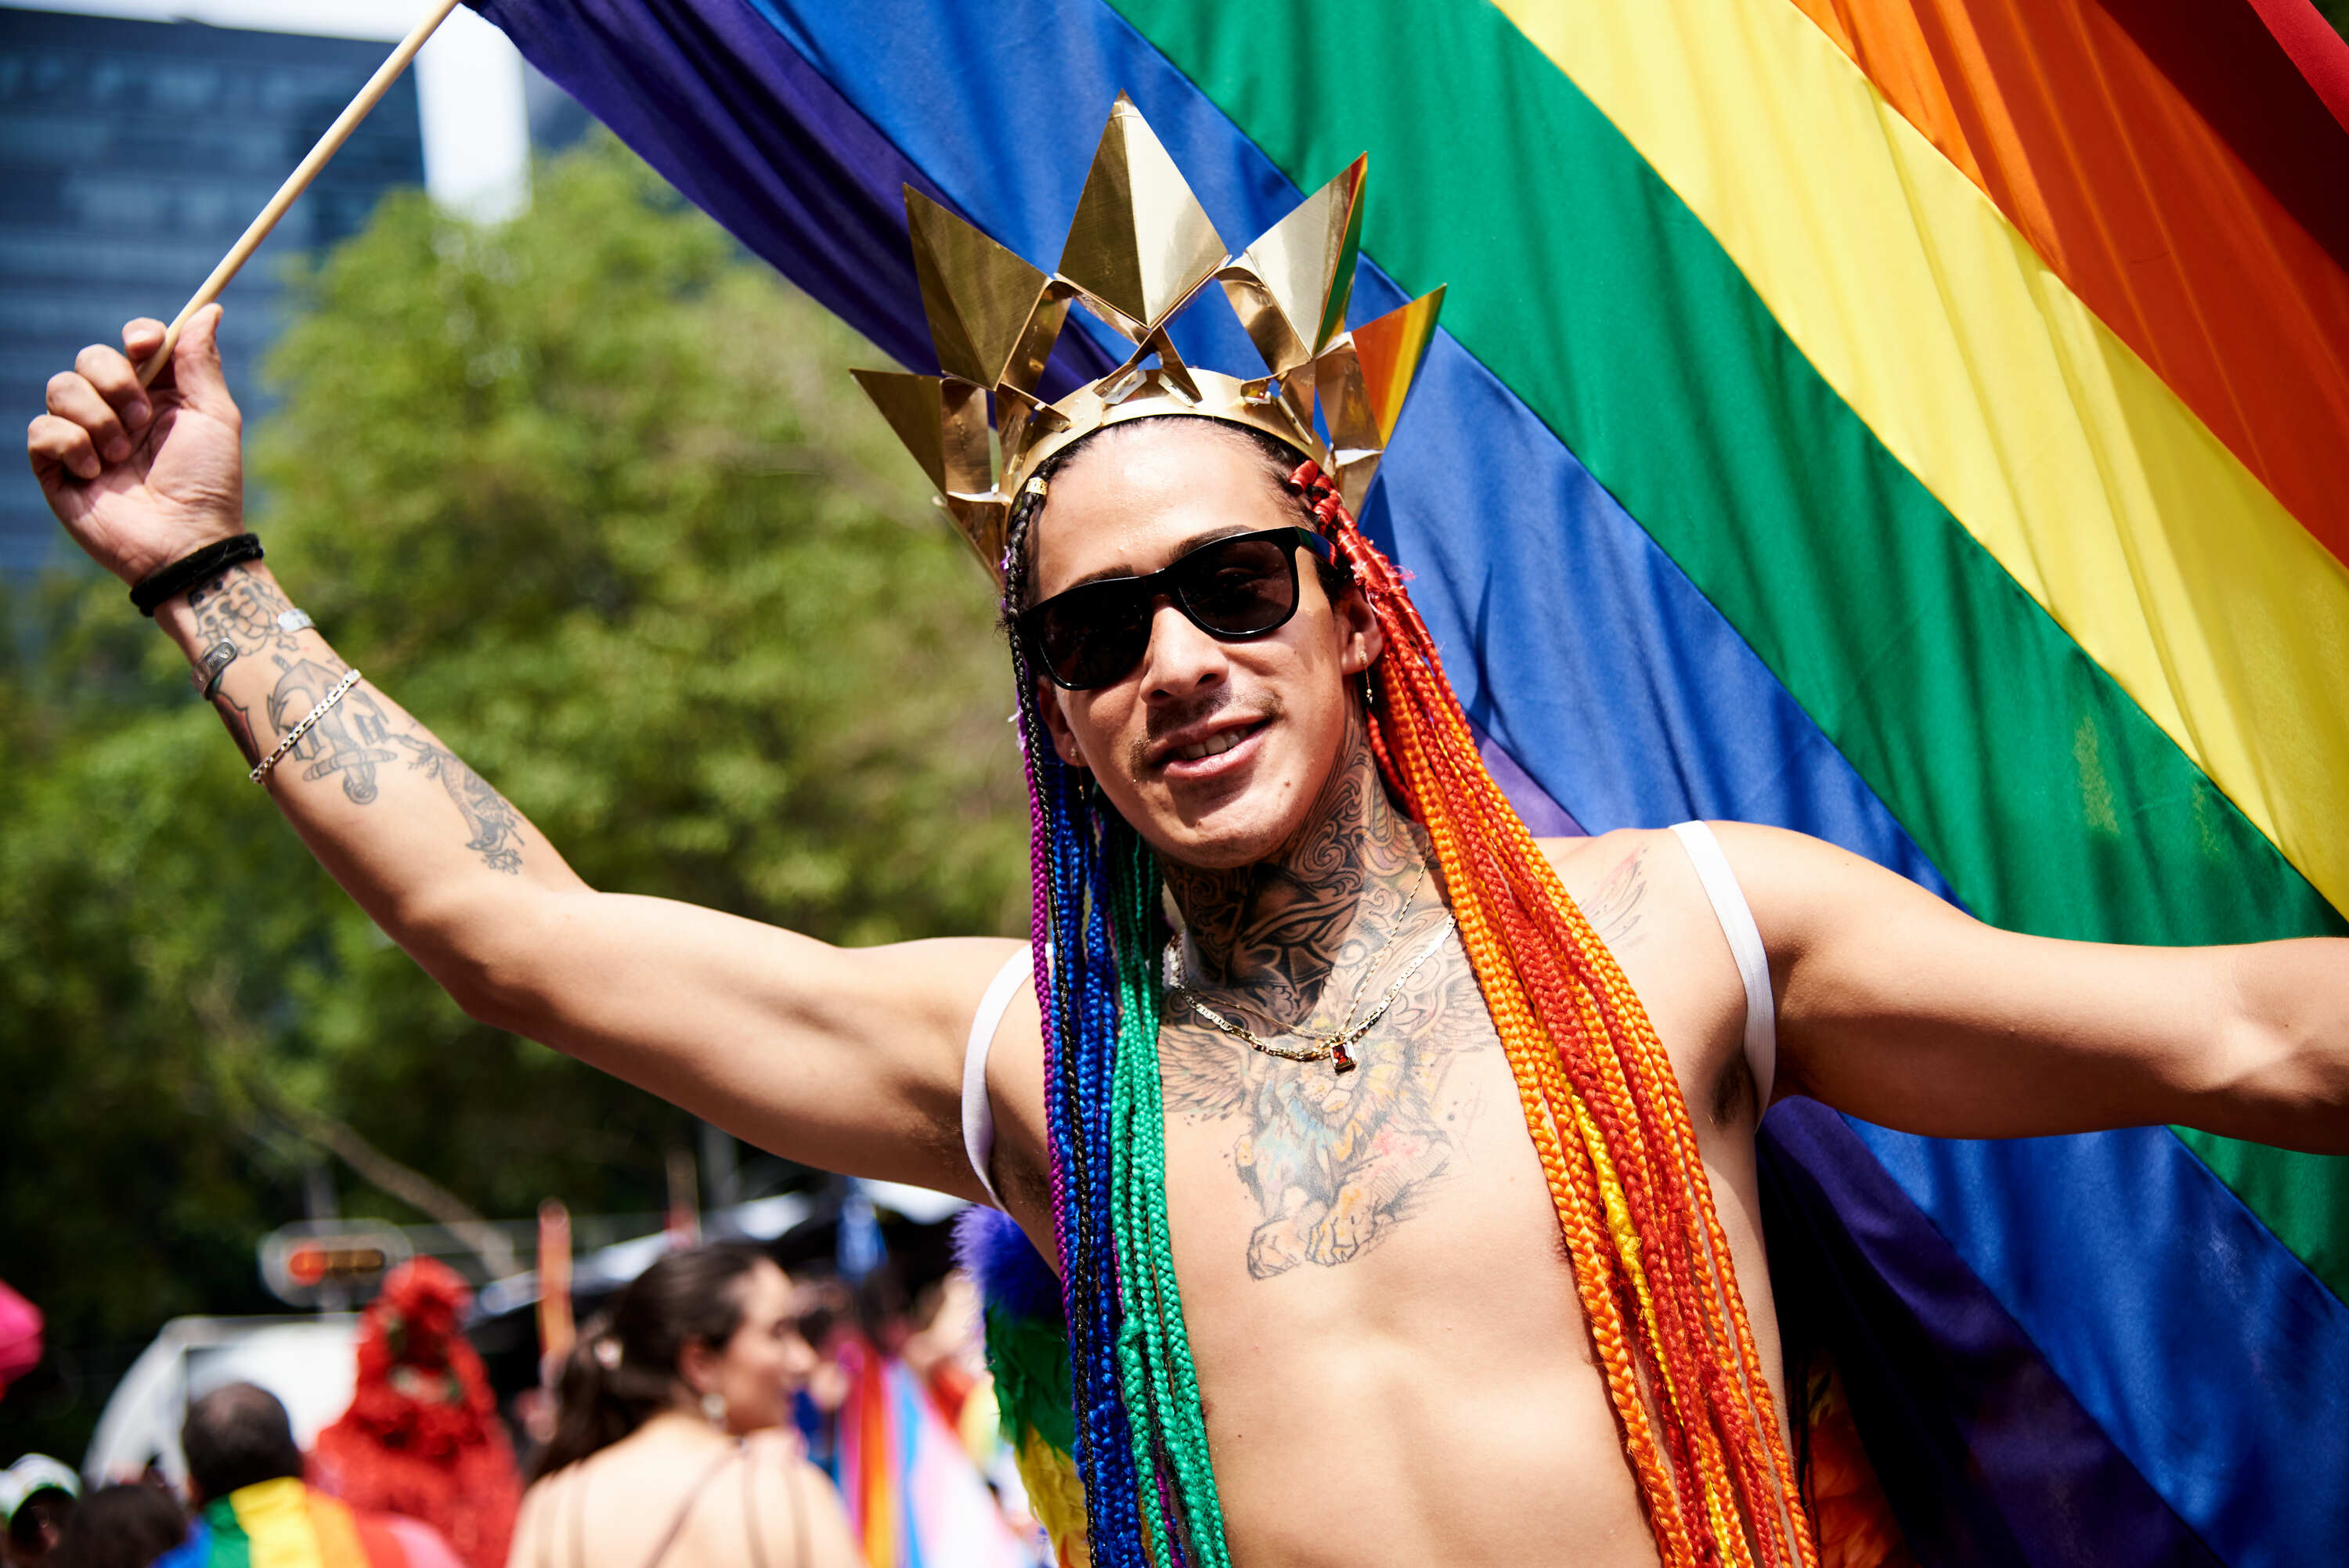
[(1651, 1261)]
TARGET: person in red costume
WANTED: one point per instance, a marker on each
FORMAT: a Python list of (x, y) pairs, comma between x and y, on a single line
[(421, 1437)]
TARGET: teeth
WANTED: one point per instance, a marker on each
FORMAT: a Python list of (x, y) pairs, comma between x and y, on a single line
[(1215, 745)]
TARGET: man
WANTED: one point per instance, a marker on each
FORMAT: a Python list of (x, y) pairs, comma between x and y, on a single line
[(1396, 1357), (244, 1469)]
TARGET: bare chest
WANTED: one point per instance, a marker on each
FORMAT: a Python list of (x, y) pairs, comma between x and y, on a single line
[(1277, 1166), (1372, 1266), (1374, 1286)]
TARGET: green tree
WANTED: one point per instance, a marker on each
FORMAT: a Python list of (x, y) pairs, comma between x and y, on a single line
[(593, 495)]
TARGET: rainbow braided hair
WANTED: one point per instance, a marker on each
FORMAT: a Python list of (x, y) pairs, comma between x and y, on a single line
[(1650, 1262), (1141, 1437)]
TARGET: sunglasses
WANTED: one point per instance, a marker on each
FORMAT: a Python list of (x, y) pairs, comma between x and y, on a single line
[(1243, 586)]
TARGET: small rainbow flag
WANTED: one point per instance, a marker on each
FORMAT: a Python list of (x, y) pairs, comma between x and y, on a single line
[(914, 1498)]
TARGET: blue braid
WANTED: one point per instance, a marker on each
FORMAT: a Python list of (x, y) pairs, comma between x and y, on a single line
[(1078, 1126)]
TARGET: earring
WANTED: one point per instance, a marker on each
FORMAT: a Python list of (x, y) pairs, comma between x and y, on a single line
[(713, 1406), (1369, 689)]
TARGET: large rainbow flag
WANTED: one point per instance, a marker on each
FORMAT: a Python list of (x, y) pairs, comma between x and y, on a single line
[(1922, 423)]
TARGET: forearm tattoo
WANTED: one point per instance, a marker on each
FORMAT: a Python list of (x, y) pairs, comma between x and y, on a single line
[(346, 743), (358, 736), (240, 609), (238, 612), (496, 826)]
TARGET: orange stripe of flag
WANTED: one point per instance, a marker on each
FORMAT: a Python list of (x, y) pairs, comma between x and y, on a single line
[(2139, 203)]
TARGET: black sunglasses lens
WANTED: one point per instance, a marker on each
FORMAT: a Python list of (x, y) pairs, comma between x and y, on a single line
[(1240, 587), (1091, 636)]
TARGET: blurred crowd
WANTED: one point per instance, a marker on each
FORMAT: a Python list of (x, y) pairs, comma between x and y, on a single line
[(717, 1411)]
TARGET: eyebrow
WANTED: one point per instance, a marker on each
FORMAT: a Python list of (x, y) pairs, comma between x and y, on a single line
[(1204, 537)]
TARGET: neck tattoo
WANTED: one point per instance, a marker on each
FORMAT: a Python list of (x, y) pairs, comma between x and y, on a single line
[(1275, 936), (1335, 1049)]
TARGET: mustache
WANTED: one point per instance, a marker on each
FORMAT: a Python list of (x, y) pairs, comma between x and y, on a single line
[(1170, 720)]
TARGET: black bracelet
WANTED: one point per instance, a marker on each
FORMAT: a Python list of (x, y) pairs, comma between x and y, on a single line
[(189, 570)]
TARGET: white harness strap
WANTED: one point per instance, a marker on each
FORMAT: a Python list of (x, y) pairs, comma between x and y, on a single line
[(1729, 906), (978, 1115)]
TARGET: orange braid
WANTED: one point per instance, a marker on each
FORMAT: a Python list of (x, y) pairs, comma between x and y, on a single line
[(1609, 1122), (1650, 1262), (1574, 1184), (1734, 1333)]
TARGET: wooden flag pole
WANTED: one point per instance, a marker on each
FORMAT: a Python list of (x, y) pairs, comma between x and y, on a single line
[(299, 181)]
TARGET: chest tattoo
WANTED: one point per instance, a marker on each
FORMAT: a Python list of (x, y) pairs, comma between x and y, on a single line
[(1333, 1163), (1615, 908)]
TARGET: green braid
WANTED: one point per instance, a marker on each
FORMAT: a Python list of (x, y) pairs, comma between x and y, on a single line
[(1154, 1353)]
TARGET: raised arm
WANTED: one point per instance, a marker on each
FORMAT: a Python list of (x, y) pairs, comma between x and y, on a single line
[(1901, 1009), (844, 1059)]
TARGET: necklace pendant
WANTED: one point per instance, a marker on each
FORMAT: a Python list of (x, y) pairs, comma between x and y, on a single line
[(1339, 1062)]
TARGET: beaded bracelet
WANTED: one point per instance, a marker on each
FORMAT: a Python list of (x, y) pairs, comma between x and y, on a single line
[(292, 736)]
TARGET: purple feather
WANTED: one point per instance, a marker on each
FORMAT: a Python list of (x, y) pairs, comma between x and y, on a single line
[(1012, 1274)]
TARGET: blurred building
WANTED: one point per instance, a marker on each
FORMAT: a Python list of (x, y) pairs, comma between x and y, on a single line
[(132, 154), (139, 137)]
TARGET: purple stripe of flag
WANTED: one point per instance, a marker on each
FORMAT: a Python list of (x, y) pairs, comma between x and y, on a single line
[(1986, 1456)]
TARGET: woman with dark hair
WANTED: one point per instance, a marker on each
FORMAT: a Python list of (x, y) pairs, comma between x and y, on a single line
[(668, 1443)]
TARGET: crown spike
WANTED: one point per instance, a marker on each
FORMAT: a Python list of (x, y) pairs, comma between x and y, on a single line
[(1025, 368), (991, 315), (910, 404), (1355, 472), (1020, 418), (943, 422), (1293, 392), (1140, 250), (1108, 315), (1345, 403), (1289, 288), (1169, 378), (1354, 426), (1364, 378), (984, 522), (1140, 243), (1390, 350)]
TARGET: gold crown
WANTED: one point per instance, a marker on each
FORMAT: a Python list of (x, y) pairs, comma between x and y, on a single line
[(1139, 250)]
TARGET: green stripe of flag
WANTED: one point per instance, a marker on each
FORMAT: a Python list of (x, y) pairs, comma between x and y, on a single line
[(230, 1546)]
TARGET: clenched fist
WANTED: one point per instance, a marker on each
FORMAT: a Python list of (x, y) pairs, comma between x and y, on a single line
[(140, 478)]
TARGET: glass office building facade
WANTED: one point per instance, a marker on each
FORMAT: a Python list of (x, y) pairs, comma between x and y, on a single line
[(132, 154)]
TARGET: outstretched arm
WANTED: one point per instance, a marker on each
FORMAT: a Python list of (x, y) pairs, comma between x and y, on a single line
[(845, 1058), (1901, 1009)]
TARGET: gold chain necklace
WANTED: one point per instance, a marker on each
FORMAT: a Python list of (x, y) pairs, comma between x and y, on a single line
[(1333, 1048)]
